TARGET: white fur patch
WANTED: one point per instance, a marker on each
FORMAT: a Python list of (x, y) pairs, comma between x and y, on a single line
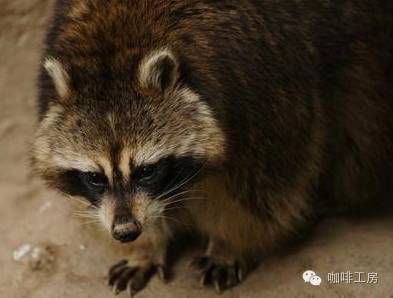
[(63, 157), (106, 212), (106, 164), (51, 116), (59, 76), (124, 163), (208, 142), (149, 154), (75, 161), (41, 147)]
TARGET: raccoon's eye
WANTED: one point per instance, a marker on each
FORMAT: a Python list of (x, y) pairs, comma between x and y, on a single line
[(96, 180), (147, 173), (150, 174)]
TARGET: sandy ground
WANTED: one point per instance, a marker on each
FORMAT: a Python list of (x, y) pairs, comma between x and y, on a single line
[(78, 255)]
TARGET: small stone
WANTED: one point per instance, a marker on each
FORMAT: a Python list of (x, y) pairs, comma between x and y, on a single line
[(21, 251), (41, 257)]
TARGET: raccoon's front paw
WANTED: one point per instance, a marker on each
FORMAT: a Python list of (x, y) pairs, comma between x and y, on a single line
[(133, 277), (218, 273)]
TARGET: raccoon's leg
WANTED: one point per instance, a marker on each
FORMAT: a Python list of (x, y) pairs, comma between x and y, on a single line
[(226, 258), (219, 266), (238, 239), (234, 239), (148, 256)]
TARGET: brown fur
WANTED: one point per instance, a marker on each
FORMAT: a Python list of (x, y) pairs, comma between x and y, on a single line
[(286, 105)]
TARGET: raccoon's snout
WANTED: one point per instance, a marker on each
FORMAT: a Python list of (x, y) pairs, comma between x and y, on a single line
[(125, 229)]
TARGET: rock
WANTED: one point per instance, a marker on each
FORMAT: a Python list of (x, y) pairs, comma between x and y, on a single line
[(21, 251), (42, 257), (38, 257)]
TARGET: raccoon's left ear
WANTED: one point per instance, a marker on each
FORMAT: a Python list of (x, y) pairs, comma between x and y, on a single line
[(159, 71), (59, 77)]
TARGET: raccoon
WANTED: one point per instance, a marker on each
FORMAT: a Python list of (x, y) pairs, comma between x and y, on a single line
[(243, 121)]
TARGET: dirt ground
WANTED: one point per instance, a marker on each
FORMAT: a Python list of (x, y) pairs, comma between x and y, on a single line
[(67, 258)]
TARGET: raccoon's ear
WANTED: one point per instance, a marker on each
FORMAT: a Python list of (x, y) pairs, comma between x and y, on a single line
[(159, 71), (59, 76)]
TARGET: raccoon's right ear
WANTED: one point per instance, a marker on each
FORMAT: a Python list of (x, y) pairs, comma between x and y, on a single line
[(159, 71), (59, 76)]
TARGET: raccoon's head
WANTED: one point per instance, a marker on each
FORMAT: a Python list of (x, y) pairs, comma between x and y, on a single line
[(129, 144)]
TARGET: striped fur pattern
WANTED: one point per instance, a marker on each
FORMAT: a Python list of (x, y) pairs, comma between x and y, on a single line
[(253, 116)]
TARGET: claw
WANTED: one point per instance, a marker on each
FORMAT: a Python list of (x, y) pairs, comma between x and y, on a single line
[(129, 290), (117, 265), (217, 286), (116, 290), (239, 274), (232, 277), (220, 276), (162, 273), (131, 278), (205, 279), (114, 275), (200, 262)]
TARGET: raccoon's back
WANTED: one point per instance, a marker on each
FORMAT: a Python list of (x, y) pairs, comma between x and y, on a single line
[(278, 75)]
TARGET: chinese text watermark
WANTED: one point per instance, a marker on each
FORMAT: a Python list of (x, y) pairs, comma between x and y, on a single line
[(349, 277), (346, 277)]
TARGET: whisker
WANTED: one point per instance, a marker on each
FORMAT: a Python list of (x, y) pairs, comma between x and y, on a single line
[(92, 211), (181, 183), (172, 219), (75, 199), (90, 222), (182, 193), (167, 217), (85, 216), (79, 200), (173, 180), (86, 211), (173, 208), (184, 199)]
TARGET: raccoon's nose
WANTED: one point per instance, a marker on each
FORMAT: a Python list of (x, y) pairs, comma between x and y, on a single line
[(126, 231)]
